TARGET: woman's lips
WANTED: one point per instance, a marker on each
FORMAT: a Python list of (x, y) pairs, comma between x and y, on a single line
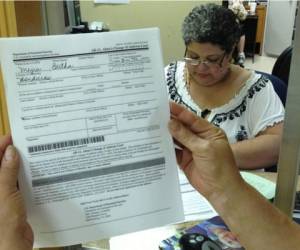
[(202, 75)]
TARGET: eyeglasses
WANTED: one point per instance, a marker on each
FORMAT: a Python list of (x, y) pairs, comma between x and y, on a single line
[(206, 62)]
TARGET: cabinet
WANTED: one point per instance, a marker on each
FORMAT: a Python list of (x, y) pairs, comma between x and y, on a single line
[(8, 28), (260, 30), (250, 26), (29, 18), (261, 13), (17, 18)]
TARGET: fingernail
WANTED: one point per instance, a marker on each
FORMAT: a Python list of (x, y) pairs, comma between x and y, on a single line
[(10, 153), (174, 125)]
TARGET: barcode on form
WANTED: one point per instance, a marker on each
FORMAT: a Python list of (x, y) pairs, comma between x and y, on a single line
[(64, 144)]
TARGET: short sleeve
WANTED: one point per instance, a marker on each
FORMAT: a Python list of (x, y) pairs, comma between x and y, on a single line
[(266, 109)]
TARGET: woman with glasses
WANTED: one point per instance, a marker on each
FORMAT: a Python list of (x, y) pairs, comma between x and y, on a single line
[(241, 102)]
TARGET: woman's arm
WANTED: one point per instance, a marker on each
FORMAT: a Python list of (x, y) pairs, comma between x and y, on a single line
[(208, 163), (261, 151), (255, 221)]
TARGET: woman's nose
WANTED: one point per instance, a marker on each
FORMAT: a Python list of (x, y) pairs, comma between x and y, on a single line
[(202, 67)]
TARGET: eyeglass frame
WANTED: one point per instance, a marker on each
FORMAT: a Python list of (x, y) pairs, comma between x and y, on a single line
[(201, 61)]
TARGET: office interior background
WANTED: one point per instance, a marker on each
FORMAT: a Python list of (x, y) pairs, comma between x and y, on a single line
[(275, 27)]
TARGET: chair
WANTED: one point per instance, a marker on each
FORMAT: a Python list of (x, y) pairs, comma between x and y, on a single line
[(281, 68), (279, 86), (281, 90)]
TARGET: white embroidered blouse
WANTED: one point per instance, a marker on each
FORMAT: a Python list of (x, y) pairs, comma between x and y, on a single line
[(254, 108)]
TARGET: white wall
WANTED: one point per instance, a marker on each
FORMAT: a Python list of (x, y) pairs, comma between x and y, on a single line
[(279, 26), (167, 15)]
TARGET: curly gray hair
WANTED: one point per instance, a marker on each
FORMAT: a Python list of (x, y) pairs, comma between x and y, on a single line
[(211, 23)]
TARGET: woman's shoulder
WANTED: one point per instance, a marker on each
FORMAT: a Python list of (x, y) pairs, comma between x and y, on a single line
[(254, 81), (252, 86), (261, 80), (239, 72), (259, 90)]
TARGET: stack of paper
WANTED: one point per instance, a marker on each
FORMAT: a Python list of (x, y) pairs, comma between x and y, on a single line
[(196, 207)]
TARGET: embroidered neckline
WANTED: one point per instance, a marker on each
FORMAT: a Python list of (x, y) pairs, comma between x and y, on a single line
[(171, 83), (221, 117), (241, 108), (187, 85)]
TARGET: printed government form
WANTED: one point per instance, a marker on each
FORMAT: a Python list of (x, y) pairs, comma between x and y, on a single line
[(88, 114)]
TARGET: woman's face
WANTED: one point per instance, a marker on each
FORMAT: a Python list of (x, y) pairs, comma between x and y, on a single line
[(214, 66)]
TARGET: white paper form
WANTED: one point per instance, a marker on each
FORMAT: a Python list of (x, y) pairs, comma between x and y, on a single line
[(195, 206), (89, 114)]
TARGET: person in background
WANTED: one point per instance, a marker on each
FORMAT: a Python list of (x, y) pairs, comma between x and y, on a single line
[(15, 232), (241, 13), (207, 160), (241, 102)]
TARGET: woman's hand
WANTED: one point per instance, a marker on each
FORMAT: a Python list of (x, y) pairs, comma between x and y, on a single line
[(206, 157), (15, 232)]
